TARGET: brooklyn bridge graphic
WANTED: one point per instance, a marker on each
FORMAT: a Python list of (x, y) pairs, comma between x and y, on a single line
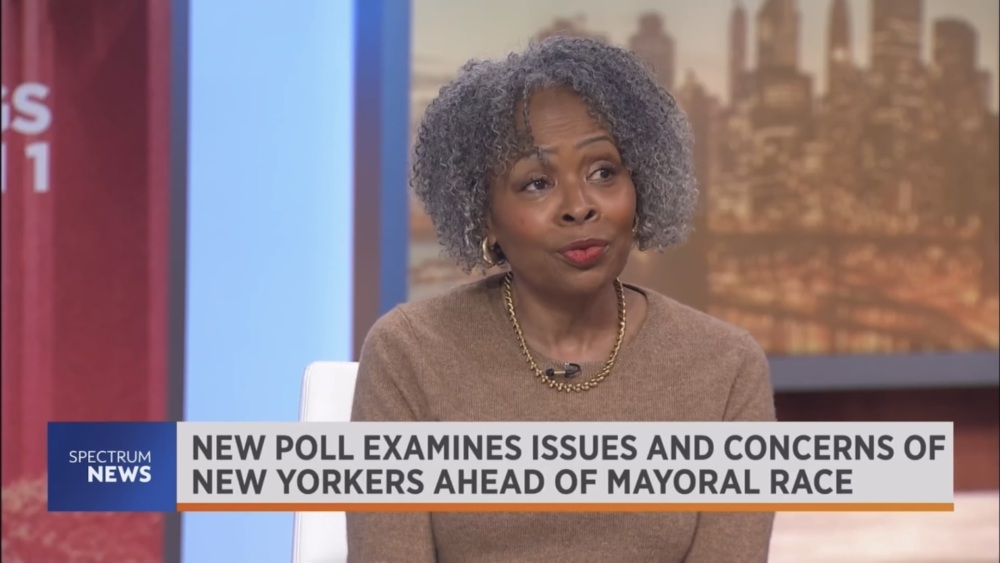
[(858, 219)]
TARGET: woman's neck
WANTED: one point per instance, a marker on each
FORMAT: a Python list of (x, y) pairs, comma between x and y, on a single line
[(572, 328)]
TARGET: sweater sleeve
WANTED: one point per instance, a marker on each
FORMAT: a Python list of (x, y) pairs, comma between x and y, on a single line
[(387, 390), (740, 537)]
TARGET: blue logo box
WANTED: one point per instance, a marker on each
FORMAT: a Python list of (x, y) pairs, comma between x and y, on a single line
[(112, 467)]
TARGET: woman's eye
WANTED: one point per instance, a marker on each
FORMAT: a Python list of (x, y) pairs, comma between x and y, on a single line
[(536, 184), (602, 174)]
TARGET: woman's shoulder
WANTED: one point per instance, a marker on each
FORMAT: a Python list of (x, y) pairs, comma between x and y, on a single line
[(460, 308), (677, 322), (723, 367)]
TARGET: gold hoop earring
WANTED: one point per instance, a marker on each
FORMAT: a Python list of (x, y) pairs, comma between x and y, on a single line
[(488, 256)]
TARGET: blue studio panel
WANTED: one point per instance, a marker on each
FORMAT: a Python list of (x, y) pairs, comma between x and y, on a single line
[(269, 227)]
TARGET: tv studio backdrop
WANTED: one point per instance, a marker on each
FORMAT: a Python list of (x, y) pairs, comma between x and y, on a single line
[(202, 197)]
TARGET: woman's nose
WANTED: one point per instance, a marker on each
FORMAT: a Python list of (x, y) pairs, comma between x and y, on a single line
[(578, 207)]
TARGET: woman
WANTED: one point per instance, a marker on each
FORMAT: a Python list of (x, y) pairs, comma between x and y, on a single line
[(554, 163)]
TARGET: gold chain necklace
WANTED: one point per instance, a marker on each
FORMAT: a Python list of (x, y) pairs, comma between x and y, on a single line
[(551, 382)]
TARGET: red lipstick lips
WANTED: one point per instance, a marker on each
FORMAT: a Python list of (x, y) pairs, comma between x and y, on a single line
[(583, 253)]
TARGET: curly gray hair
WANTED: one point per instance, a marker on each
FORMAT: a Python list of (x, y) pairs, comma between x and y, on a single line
[(468, 138)]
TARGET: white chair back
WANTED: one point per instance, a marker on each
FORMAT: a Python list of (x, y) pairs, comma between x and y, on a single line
[(327, 396)]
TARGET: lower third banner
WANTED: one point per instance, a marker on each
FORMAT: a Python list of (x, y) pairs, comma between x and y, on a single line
[(501, 466)]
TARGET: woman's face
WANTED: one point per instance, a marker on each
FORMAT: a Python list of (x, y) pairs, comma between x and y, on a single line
[(563, 216)]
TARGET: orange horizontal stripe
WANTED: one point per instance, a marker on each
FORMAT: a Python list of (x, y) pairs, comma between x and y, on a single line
[(567, 507)]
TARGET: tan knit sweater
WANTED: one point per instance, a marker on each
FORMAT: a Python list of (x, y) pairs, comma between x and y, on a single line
[(455, 358)]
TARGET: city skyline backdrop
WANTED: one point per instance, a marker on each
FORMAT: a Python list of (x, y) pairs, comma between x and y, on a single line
[(856, 213), (448, 33)]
